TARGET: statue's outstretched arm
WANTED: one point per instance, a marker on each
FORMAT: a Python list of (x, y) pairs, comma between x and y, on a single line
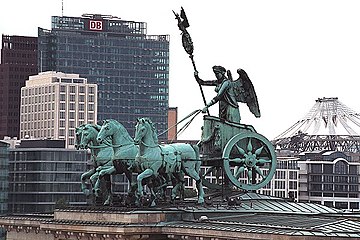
[(204, 83)]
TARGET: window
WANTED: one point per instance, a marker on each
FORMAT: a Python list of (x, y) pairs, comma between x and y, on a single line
[(316, 168), (91, 116), (71, 124), (72, 89), (292, 185), (91, 107), (292, 175), (328, 168), (353, 169), (341, 167), (91, 90)]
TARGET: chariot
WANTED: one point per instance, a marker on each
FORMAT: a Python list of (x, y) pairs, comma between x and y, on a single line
[(235, 154)]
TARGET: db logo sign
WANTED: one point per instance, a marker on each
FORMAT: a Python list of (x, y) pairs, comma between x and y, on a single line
[(96, 25)]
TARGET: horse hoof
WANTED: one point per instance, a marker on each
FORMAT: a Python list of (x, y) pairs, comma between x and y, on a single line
[(87, 192)]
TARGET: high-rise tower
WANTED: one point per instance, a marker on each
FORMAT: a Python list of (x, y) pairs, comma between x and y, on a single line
[(18, 62), (53, 104), (130, 67)]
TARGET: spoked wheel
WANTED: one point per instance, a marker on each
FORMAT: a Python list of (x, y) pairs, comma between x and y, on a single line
[(249, 161)]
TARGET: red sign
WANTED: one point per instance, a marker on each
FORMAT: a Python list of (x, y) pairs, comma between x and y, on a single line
[(95, 25)]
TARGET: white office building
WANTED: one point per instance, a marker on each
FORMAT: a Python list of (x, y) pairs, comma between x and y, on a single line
[(53, 104)]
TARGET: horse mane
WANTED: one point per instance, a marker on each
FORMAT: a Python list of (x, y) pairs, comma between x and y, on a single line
[(122, 129), (153, 128)]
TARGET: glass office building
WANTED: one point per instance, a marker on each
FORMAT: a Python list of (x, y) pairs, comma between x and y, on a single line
[(130, 67), (43, 174), (4, 175)]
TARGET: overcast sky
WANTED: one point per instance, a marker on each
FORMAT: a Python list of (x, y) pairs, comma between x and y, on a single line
[(293, 51)]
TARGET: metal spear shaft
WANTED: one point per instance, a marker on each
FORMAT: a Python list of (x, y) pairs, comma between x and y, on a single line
[(188, 44)]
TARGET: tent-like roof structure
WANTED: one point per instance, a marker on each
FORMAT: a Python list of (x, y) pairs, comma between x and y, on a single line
[(329, 125)]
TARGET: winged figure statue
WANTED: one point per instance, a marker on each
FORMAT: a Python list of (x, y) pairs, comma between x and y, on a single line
[(230, 92)]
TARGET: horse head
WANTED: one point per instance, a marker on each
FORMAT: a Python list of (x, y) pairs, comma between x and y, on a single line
[(144, 127), (108, 129), (78, 136), (89, 134)]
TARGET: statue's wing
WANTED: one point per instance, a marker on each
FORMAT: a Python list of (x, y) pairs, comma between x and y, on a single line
[(245, 92)]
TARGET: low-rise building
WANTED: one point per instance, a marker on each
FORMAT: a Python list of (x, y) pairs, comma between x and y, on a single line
[(330, 178), (43, 174)]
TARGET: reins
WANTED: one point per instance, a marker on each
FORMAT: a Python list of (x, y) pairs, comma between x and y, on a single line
[(186, 125), (107, 144)]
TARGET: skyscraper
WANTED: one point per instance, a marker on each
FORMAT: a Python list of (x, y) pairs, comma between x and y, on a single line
[(18, 61), (53, 104), (130, 67)]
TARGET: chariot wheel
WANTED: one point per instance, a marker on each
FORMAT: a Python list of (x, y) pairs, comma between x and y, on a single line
[(249, 161)]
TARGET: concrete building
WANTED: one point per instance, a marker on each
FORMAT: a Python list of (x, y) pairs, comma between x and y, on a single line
[(43, 175), (18, 61), (285, 182), (53, 104), (130, 67), (330, 178)]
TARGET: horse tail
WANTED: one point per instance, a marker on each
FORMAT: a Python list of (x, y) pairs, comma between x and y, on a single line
[(197, 157)]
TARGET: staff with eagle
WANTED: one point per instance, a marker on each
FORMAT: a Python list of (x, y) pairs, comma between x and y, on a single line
[(229, 91)]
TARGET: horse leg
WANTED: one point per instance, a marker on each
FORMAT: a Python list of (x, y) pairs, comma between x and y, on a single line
[(84, 176), (107, 179), (128, 175), (104, 175), (195, 175), (145, 174), (179, 185), (95, 180)]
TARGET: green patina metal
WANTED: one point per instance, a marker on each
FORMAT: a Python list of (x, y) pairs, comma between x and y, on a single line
[(101, 157), (123, 145), (234, 152), (172, 161), (126, 160), (246, 153)]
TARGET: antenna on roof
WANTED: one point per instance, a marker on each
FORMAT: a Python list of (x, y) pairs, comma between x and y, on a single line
[(62, 8)]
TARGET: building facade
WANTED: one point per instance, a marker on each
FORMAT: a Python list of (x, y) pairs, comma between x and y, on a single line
[(4, 175), (53, 104), (172, 121), (18, 61), (330, 178), (130, 67), (285, 182), (42, 177)]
